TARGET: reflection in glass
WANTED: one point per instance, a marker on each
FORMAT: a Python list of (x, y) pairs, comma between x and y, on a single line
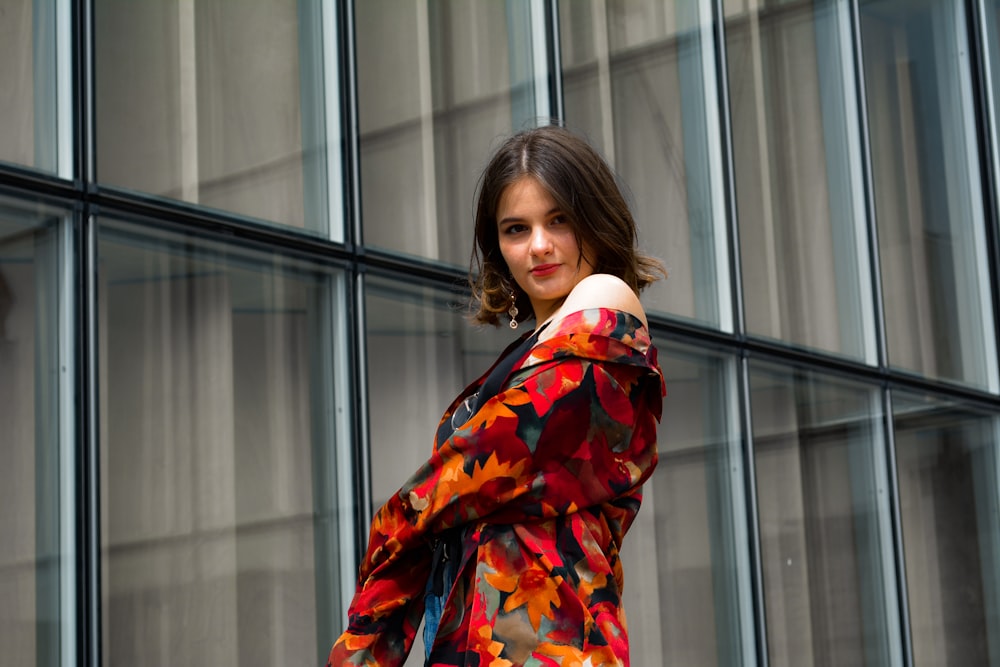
[(422, 352), (931, 226), (639, 80), (799, 196), (687, 573), (216, 103), (822, 492), (37, 595), (35, 105), (439, 82), (949, 472), (222, 412)]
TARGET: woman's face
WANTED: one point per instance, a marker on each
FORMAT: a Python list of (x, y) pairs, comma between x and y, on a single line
[(539, 246)]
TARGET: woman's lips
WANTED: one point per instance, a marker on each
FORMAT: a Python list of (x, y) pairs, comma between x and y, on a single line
[(544, 269)]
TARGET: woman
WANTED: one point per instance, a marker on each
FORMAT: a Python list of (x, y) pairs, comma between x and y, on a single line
[(509, 535)]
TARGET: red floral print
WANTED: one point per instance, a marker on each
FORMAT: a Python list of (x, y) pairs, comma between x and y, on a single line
[(541, 484)]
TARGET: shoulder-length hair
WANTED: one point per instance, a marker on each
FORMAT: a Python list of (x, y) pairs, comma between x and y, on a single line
[(585, 191)]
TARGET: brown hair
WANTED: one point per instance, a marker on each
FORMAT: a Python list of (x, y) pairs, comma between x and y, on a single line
[(585, 190)]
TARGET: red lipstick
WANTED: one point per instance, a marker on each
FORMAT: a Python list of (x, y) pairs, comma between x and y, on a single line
[(544, 269)]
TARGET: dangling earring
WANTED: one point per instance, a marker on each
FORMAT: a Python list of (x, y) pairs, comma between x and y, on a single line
[(512, 311)]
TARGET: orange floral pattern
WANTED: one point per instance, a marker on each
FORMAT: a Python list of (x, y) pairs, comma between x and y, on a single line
[(540, 485)]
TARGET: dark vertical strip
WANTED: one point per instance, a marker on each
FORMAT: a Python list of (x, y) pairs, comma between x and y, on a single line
[(84, 81), (88, 529), (897, 528), (88, 536), (359, 383), (984, 41), (554, 47), (355, 285), (350, 149), (869, 186), (739, 330), (728, 170), (753, 514)]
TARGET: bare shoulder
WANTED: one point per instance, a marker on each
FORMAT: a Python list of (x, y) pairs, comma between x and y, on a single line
[(602, 290)]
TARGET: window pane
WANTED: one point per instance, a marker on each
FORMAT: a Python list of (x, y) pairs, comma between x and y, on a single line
[(438, 81), (36, 479), (422, 352), (31, 85), (222, 402), (822, 492), (639, 80), (690, 604), (799, 195), (949, 472), (216, 103), (928, 194)]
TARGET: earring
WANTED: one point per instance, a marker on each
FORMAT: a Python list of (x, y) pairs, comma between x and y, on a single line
[(512, 311)]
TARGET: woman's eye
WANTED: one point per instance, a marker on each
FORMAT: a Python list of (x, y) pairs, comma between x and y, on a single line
[(513, 229)]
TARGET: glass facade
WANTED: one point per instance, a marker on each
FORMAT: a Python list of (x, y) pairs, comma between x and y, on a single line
[(819, 457), (798, 177), (220, 104), (233, 239), (947, 463), (221, 391), (931, 220)]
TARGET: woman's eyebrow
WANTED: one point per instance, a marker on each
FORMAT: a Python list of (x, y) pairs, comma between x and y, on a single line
[(517, 218)]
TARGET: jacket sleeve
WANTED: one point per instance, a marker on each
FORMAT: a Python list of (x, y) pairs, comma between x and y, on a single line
[(568, 434)]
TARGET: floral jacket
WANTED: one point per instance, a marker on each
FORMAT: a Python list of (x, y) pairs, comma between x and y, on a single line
[(541, 482)]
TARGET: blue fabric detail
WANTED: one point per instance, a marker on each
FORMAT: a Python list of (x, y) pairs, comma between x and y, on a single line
[(434, 602)]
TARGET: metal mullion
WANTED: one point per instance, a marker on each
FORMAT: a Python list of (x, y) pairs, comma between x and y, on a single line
[(882, 356), (68, 439), (362, 463), (554, 57), (87, 463), (541, 75), (897, 527), (85, 164), (88, 528), (738, 316), (353, 231), (989, 150), (753, 513), (333, 474), (729, 172)]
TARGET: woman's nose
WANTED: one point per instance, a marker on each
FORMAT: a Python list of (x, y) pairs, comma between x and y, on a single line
[(541, 242)]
